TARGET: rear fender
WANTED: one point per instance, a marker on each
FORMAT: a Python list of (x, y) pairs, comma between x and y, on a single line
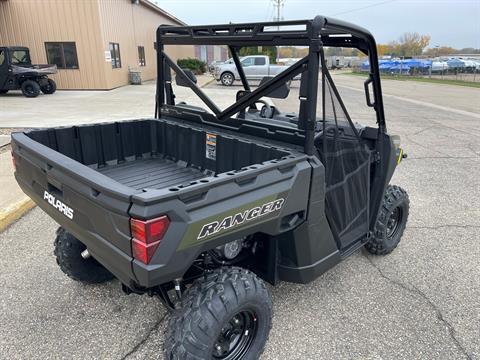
[(275, 202)]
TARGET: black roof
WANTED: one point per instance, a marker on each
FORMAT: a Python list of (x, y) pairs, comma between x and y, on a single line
[(333, 32), (16, 47)]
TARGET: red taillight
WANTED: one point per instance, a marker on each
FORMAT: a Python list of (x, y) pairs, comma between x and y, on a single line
[(146, 236)]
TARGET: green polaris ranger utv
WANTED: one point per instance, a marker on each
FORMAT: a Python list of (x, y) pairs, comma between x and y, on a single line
[(201, 206)]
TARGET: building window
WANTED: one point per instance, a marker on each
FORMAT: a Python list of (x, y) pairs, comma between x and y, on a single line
[(141, 56), (115, 54), (62, 54)]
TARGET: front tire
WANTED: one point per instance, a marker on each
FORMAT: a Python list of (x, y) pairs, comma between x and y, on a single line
[(30, 88), (226, 314), (391, 221), (49, 87), (227, 79), (68, 250)]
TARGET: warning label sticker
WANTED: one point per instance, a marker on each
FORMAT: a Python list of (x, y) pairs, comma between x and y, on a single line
[(211, 146)]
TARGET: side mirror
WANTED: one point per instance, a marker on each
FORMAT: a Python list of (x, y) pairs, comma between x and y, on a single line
[(179, 80)]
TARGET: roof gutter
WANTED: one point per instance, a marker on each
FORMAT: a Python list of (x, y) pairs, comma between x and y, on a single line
[(154, 7)]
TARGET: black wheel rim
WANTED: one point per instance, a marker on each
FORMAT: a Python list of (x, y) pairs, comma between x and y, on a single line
[(29, 89), (236, 336), (394, 222)]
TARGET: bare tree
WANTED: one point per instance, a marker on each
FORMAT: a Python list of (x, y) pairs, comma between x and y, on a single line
[(409, 45), (412, 44)]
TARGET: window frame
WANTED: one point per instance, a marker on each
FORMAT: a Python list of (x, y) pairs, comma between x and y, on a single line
[(17, 62), (248, 59), (142, 62), (114, 50), (62, 44)]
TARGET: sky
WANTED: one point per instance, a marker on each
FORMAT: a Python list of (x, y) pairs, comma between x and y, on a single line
[(448, 22)]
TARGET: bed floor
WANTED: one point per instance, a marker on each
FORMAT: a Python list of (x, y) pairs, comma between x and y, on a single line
[(151, 173)]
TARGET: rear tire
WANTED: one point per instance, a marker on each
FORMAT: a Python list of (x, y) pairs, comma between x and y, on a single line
[(68, 251), (30, 88), (226, 314), (391, 221), (49, 87)]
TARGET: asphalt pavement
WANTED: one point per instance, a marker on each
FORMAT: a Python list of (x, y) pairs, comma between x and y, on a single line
[(420, 302)]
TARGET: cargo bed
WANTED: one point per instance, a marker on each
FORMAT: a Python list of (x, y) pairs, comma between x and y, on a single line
[(155, 154)]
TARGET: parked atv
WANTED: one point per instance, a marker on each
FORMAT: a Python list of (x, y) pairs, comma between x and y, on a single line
[(17, 72), (201, 208)]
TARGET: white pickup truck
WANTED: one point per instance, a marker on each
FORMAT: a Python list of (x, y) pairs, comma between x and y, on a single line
[(256, 67)]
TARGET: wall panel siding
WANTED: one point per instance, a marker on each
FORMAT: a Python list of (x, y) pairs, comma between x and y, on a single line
[(133, 25), (31, 23), (92, 25)]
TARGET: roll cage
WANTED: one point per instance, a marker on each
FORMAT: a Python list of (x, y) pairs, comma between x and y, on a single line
[(315, 34)]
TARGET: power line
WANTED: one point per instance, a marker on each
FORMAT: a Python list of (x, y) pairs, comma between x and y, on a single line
[(279, 5), (363, 7)]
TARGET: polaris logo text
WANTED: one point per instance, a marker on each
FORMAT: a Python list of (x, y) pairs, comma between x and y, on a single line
[(240, 218), (57, 204)]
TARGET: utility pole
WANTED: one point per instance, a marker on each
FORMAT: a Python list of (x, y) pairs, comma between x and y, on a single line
[(279, 5)]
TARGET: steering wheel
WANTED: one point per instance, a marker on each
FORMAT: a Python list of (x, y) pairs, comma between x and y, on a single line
[(266, 110)]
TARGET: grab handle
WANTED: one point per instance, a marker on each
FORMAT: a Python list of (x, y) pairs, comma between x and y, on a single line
[(367, 91), (54, 189)]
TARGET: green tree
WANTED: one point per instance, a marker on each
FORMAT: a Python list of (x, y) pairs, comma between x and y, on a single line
[(270, 51)]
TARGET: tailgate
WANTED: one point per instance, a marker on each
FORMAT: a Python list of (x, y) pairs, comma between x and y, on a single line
[(86, 203)]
